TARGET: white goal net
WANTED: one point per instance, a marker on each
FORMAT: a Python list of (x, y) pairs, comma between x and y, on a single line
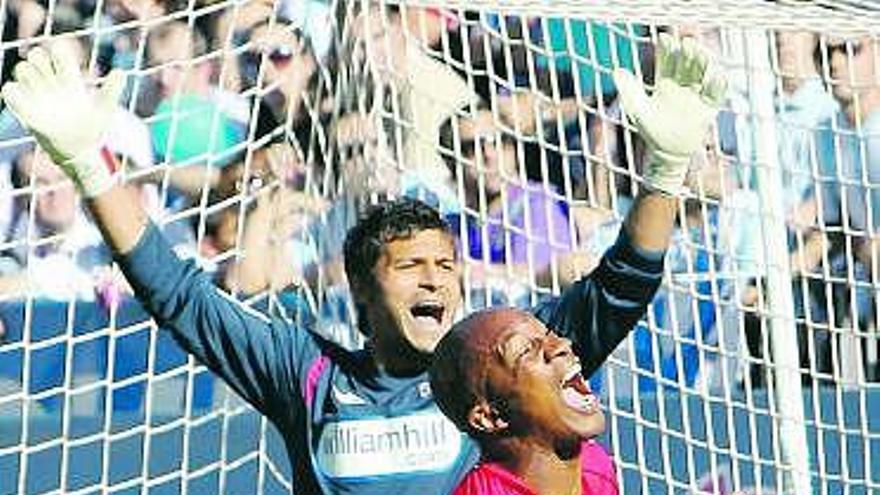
[(255, 129)]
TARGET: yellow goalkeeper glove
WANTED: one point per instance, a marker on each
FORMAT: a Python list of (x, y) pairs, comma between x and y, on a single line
[(68, 119), (673, 121)]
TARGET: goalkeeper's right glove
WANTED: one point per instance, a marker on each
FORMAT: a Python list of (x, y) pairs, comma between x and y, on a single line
[(674, 120), (68, 119)]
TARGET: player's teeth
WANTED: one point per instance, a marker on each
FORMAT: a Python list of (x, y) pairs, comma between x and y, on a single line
[(576, 400)]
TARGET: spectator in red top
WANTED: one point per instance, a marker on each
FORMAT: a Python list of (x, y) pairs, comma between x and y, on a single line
[(516, 387)]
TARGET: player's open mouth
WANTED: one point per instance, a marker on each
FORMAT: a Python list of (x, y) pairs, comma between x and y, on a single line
[(576, 391), (428, 311)]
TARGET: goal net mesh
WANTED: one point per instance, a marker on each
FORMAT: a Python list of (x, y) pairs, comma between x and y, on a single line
[(253, 131)]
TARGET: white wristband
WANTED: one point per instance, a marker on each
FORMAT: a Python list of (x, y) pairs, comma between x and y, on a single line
[(94, 171)]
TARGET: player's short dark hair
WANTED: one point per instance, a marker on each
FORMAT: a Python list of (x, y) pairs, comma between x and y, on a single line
[(449, 380), (458, 373), (380, 224)]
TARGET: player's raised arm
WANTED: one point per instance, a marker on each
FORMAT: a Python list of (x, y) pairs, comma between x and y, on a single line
[(673, 121), (69, 118), (599, 311)]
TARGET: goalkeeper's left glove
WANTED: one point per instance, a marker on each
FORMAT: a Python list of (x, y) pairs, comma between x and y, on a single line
[(674, 120)]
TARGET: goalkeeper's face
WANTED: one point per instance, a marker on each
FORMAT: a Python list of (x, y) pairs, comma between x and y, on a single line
[(417, 291)]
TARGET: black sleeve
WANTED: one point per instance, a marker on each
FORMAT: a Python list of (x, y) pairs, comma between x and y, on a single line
[(599, 310)]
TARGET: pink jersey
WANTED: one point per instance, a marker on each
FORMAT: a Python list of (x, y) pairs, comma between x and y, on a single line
[(597, 476)]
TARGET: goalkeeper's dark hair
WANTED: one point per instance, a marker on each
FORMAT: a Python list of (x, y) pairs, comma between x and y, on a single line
[(377, 226)]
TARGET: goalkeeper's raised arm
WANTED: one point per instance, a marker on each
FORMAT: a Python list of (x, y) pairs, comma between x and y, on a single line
[(68, 118), (674, 123)]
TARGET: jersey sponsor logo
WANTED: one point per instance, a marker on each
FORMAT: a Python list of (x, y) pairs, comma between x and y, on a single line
[(388, 446), (347, 398)]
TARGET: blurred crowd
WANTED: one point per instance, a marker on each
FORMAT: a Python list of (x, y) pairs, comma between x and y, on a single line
[(255, 130)]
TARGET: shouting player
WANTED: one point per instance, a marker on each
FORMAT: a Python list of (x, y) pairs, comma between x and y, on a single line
[(517, 389)]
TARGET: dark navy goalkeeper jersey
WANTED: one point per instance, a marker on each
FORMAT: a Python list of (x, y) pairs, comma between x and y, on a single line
[(348, 427)]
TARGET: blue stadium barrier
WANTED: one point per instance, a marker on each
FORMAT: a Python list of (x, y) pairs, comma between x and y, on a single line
[(46, 366)]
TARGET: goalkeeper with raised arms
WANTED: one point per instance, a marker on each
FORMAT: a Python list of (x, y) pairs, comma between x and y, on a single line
[(365, 421)]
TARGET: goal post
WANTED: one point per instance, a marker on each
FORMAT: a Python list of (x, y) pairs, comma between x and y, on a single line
[(788, 393)]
